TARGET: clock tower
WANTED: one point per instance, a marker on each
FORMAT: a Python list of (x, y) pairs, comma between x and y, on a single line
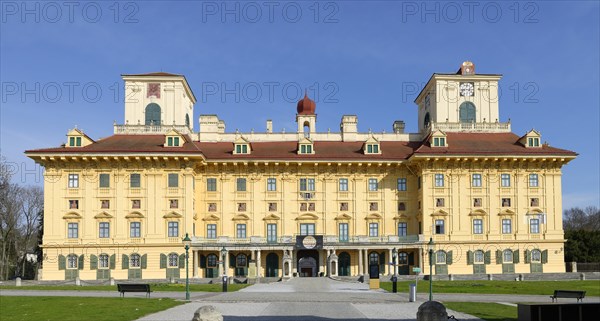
[(459, 101)]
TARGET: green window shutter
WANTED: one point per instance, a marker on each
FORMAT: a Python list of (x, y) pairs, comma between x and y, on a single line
[(469, 257), (182, 261), (231, 260), (80, 262), (93, 262), (487, 258), (498, 257), (449, 257), (124, 262), (202, 261), (516, 256), (113, 260), (62, 262), (144, 263), (544, 256), (411, 258), (527, 256), (163, 261)]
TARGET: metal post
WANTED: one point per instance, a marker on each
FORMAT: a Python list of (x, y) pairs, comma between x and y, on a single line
[(430, 269), (187, 273), (394, 277), (223, 257)]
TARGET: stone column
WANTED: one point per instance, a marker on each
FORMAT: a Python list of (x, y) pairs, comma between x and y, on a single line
[(327, 263), (391, 259), (366, 265), (293, 264), (226, 267), (421, 259), (195, 255), (360, 262), (258, 265)]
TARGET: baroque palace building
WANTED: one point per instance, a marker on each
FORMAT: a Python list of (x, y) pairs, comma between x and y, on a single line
[(303, 203)]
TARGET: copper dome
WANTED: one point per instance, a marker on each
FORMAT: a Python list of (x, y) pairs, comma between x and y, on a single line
[(306, 106)]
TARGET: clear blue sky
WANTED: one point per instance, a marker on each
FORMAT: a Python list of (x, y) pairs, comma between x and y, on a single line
[(364, 57)]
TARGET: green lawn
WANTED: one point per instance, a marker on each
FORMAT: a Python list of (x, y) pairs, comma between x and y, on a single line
[(500, 287), (154, 287), (80, 308), (485, 311)]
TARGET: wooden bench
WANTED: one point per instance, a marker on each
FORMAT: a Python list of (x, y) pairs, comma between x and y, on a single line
[(133, 287), (579, 295)]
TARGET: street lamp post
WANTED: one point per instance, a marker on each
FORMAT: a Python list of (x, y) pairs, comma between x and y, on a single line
[(187, 242), (430, 247), (223, 257), (394, 277)]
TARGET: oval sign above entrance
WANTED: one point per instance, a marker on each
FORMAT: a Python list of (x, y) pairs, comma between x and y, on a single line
[(309, 242)]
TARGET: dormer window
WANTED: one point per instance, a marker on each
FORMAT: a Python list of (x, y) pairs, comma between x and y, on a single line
[(438, 139), (241, 149), (174, 139), (305, 146), (531, 139), (372, 146), (533, 142), (76, 138)]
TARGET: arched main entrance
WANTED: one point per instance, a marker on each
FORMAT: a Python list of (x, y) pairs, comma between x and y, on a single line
[(272, 265), (344, 264), (308, 263)]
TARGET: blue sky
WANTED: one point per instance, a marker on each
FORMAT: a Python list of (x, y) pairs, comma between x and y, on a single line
[(60, 66)]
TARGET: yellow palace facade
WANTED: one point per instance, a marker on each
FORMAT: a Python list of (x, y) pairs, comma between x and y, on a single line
[(303, 203)]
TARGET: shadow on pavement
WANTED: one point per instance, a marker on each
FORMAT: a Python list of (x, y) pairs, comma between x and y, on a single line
[(298, 318)]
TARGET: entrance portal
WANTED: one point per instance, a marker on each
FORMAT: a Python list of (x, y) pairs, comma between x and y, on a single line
[(308, 263)]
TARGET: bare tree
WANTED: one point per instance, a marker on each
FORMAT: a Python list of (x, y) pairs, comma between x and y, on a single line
[(32, 206), (587, 219), (10, 211)]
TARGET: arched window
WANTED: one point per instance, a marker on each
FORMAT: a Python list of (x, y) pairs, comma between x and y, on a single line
[(478, 257), (103, 261), (306, 129), (153, 114), (134, 261), (507, 256), (187, 120), (440, 257), (426, 121), (536, 256), (72, 261), (173, 260), (211, 261), (467, 112)]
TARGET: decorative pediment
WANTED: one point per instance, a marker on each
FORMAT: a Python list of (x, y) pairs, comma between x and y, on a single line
[(535, 211), (373, 216), (211, 217), (307, 217), (438, 139), (478, 212), (305, 146), (372, 146), (439, 213), (72, 215), (103, 215), (241, 146), (343, 217), (172, 215), (401, 217), (174, 139), (241, 217), (76, 138), (134, 215), (507, 212), (271, 217)]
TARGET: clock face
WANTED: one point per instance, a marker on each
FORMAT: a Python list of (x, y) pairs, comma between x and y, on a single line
[(467, 89), (153, 90)]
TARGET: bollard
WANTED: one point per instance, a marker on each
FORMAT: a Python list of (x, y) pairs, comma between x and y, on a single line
[(432, 311), (451, 277), (582, 276), (490, 277), (207, 313), (224, 283), (77, 281), (412, 292), (112, 281), (18, 281), (521, 277)]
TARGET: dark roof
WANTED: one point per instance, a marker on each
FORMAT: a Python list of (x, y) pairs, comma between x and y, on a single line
[(458, 144), (487, 144), (154, 74)]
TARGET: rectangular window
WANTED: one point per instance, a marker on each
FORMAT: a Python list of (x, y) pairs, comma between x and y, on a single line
[(71, 141), (173, 229), (373, 206), (271, 184), (477, 226), (439, 227), (402, 229), (307, 229), (476, 180), (77, 141), (372, 149), (103, 261), (73, 230), (373, 185), (175, 141), (241, 207), (211, 231), (212, 207), (307, 184), (343, 206), (401, 206), (104, 204), (477, 202), (134, 181), (534, 226), (401, 184), (173, 180), (305, 149), (241, 231), (272, 207), (439, 202), (533, 180), (135, 229), (373, 229), (173, 203), (73, 204), (535, 202), (104, 231), (506, 226), (439, 141), (73, 180), (169, 141), (211, 184), (104, 180), (271, 233), (505, 180), (343, 232), (506, 202), (419, 182), (343, 185), (439, 180), (241, 185), (136, 204), (534, 142)]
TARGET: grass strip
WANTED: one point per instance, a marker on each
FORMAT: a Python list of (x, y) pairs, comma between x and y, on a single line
[(485, 311), (153, 286)]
